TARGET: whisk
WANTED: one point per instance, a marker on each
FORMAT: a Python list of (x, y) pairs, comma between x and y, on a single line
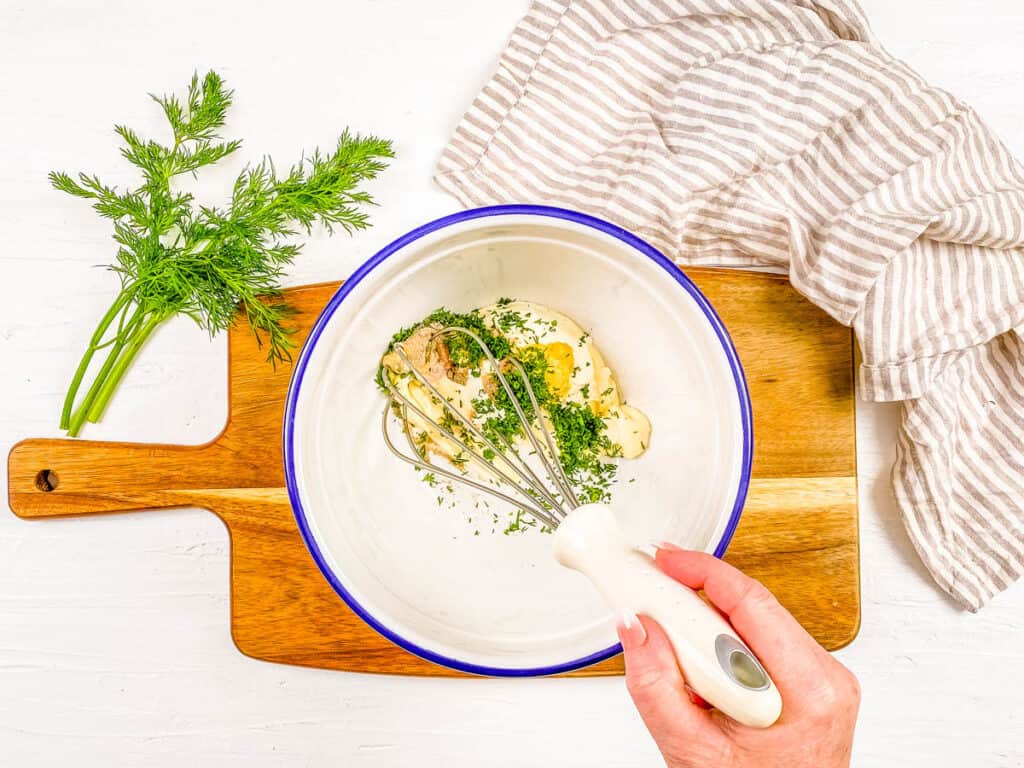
[(716, 663)]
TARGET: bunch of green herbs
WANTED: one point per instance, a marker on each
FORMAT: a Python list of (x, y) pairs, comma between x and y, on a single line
[(176, 257)]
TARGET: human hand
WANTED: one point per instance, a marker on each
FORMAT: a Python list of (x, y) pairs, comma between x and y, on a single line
[(820, 697)]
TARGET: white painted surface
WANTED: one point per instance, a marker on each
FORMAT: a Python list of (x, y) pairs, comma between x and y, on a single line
[(114, 643)]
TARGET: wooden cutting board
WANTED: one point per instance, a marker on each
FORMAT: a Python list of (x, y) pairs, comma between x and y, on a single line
[(798, 533)]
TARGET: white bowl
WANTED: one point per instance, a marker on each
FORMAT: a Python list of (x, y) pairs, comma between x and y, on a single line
[(491, 603)]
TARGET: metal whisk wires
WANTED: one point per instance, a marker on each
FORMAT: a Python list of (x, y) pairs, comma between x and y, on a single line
[(514, 481)]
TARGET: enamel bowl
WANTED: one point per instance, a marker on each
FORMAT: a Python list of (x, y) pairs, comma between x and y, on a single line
[(433, 578)]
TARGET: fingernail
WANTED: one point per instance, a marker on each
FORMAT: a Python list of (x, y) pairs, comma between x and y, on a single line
[(651, 550), (668, 546), (697, 699), (631, 631)]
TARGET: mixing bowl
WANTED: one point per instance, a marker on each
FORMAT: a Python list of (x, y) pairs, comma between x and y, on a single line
[(434, 578)]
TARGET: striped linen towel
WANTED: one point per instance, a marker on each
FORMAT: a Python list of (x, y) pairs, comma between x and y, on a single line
[(779, 133)]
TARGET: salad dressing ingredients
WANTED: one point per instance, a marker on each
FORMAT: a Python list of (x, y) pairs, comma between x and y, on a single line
[(579, 398)]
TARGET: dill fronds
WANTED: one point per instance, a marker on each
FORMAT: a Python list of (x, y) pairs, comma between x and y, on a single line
[(176, 257)]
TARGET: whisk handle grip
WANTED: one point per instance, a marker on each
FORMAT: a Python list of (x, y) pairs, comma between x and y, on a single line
[(715, 661)]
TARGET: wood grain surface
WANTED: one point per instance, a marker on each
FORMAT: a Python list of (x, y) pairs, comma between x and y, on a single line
[(798, 533)]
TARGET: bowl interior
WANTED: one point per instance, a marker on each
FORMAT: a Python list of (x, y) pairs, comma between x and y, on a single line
[(436, 578)]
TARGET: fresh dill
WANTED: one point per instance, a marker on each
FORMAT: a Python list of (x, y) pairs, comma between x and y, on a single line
[(177, 257)]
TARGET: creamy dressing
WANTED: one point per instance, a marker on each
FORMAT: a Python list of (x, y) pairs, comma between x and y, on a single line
[(577, 372)]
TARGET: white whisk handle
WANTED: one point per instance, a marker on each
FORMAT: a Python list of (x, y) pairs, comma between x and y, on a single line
[(716, 663)]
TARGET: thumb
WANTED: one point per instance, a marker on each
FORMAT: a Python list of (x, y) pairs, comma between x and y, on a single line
[(656, 683)]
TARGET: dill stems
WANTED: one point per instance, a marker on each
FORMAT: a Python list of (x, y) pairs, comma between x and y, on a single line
[(213, 264)]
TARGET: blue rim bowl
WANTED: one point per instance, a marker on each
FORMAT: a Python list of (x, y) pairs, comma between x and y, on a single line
[(368, 266)]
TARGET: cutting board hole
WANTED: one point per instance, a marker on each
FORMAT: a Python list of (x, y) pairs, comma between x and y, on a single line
[(47, 480)]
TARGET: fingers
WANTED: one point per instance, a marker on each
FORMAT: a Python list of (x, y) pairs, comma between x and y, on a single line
[(792, 657), (655, 682)]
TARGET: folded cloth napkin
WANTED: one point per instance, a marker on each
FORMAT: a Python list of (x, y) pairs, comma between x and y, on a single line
[(779, 133)]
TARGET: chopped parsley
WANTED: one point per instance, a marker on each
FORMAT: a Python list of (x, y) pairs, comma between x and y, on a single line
[(579, 434), (578, 431)]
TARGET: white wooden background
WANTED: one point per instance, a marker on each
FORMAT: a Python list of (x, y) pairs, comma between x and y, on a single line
[(114, 642)]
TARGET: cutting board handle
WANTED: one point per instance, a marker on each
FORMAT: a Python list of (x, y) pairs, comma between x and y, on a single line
[(56, 478)]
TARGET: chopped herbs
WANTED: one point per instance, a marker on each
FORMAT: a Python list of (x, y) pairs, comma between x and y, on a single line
[(509, 321), (463, 351), (514, 337), (579, 433)]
